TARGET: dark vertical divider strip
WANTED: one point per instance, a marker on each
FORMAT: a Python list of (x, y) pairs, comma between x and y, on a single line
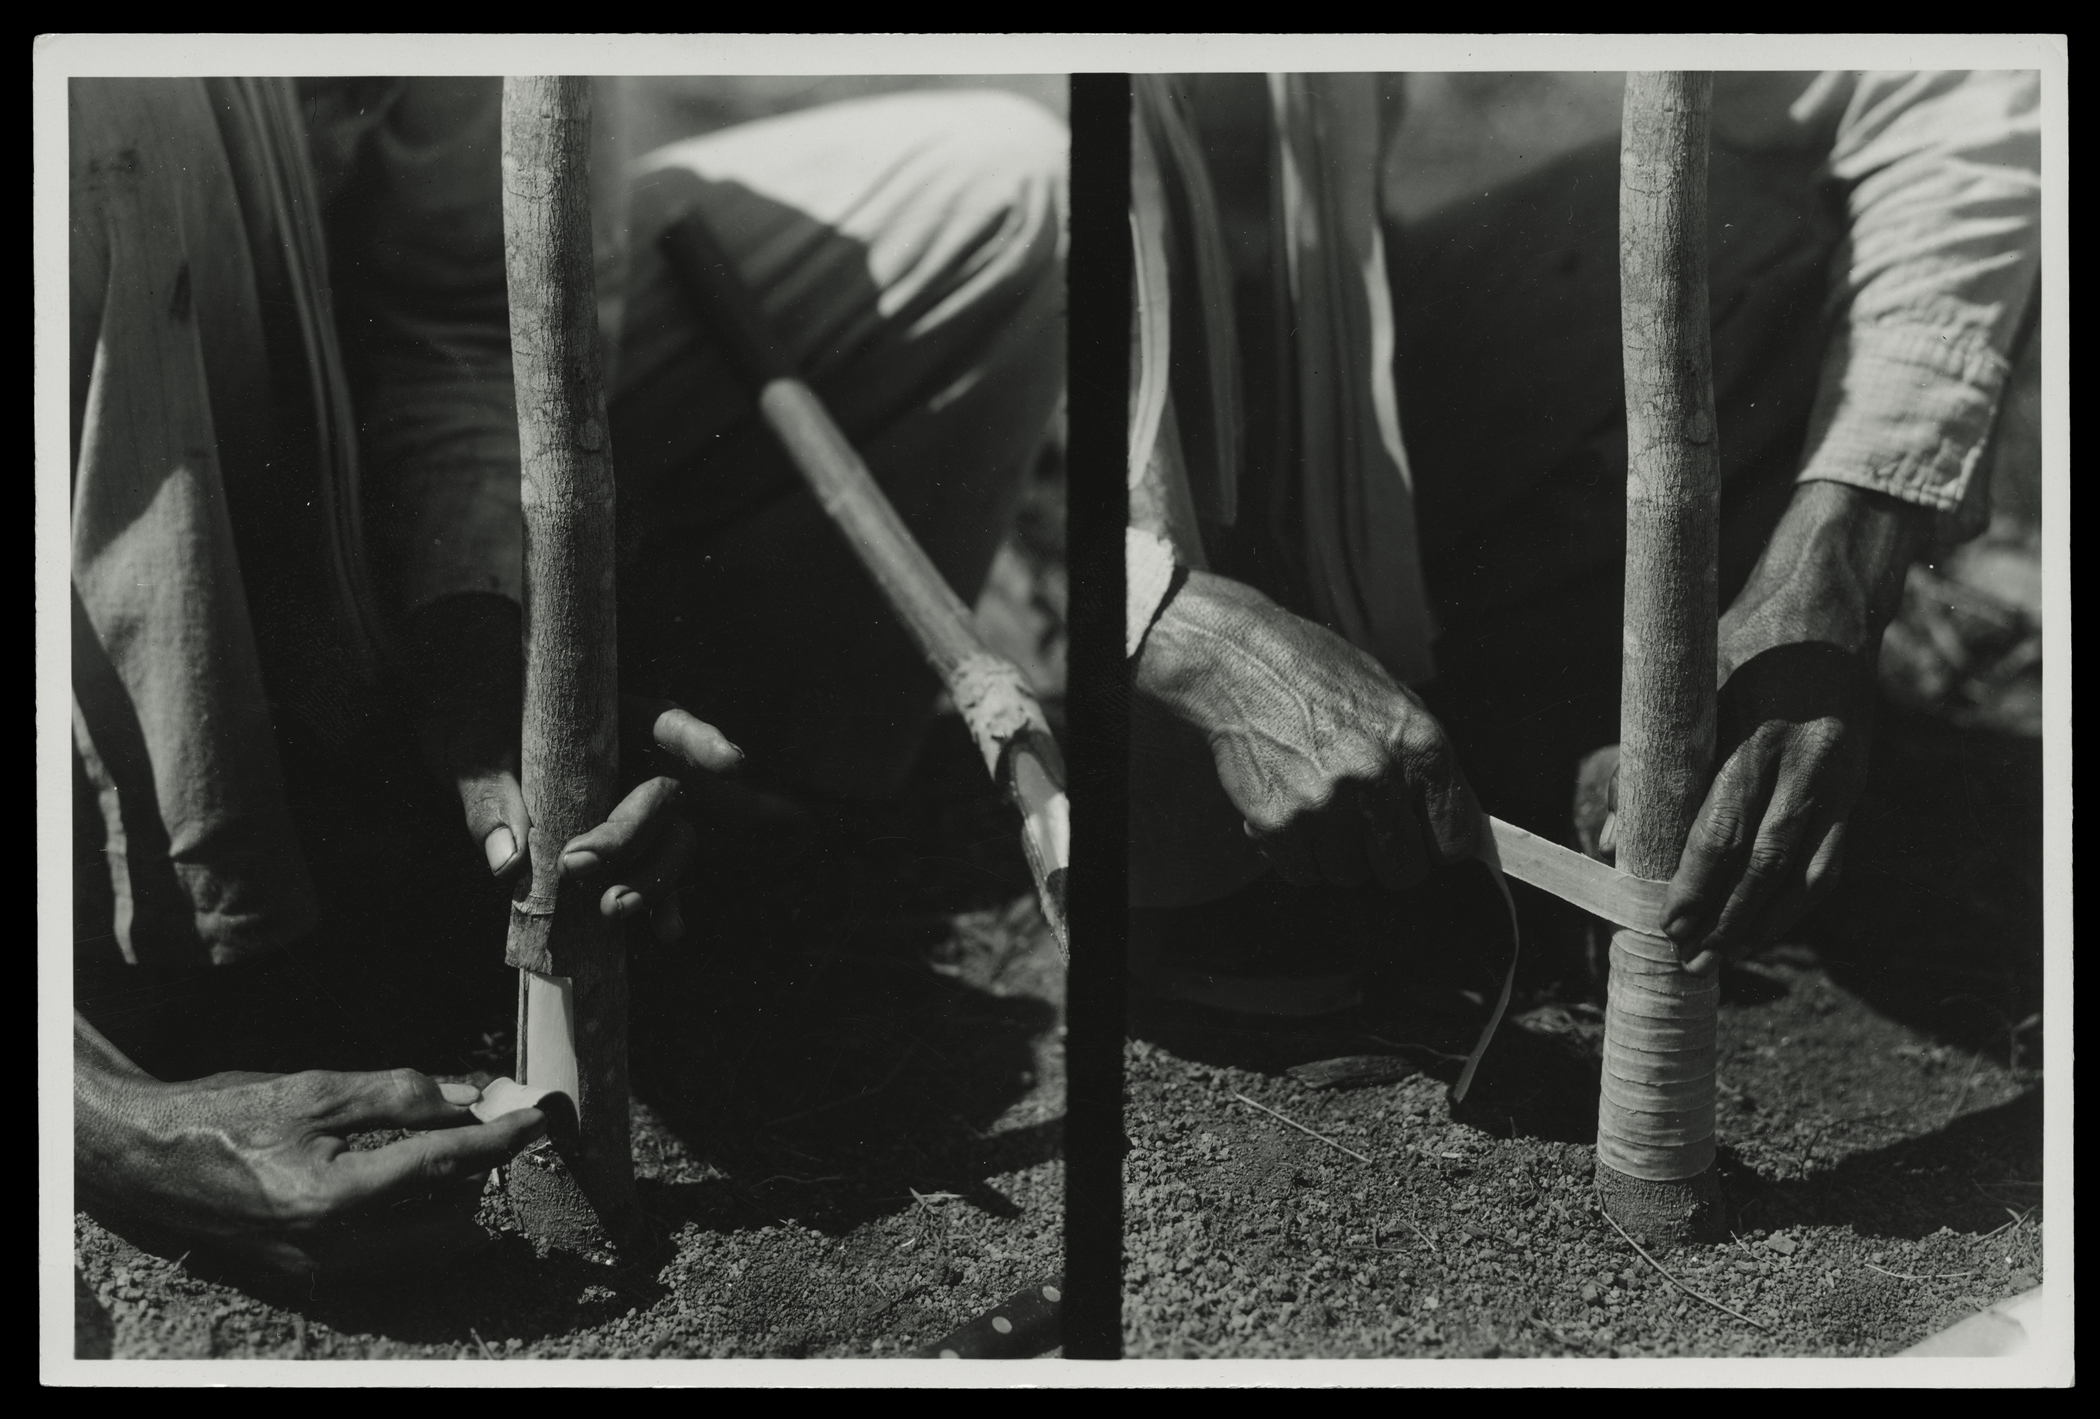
[(1097, 316)]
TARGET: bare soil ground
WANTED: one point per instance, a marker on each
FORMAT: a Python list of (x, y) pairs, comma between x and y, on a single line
[(847, 1130), (1880, 1121), (1880, 1109), (848, 1079)]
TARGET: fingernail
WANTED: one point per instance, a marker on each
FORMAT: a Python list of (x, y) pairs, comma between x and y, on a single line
[(501, 847), (629, 903)]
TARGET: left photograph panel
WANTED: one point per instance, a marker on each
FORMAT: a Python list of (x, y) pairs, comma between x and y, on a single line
[(568, 609)]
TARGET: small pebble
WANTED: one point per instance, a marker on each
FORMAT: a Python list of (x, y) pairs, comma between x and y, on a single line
[(1781, 1243), (2024, 1281)]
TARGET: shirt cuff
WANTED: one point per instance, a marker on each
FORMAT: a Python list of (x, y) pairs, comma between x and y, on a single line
[(1907, 410), (1148, 569)]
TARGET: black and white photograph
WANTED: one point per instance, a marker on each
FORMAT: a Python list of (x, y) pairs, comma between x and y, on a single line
[(1052, 710), (512, 920), (1586, 767)]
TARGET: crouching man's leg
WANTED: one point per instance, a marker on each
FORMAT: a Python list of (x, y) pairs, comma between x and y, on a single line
[(908, 250), (176, 745), (170, 719)]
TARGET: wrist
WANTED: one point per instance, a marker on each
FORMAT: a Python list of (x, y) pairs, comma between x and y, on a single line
[(1832, 573), (114, 1125), (1204, 620)]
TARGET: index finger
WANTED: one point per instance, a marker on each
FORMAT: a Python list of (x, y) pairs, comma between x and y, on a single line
[(360, 1179), (673, 732), (635, 823), (694, 742), (1721, 837)]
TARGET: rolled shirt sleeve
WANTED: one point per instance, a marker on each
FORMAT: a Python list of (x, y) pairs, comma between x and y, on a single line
[(1148, 565), (1941, 174)]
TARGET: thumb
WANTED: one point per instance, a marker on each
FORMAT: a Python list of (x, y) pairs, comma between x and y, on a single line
[(496, 819)]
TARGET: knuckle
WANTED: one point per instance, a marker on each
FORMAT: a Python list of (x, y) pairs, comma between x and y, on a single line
[(1271, 822), (1418, 743), (315, 1090), (431, 1166), (1768, 859), (1719, 832), (408, 1086)]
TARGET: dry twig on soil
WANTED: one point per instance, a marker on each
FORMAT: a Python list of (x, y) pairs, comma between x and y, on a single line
[(1725, 1310), (1410, 1044), (1932, 1276), (2018, 1220), (1300, 1127)]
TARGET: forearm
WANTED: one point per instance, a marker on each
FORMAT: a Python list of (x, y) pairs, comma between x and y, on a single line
[(110, 1098), (1832, 573)]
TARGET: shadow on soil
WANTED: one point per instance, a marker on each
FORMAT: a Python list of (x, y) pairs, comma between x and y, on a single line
[(1939, 921), (1937, 925), (805, 1055), (1908, 1190)]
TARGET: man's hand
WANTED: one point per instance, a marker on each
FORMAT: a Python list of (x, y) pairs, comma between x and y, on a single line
[(469, 674), (258, 1164), (1797, 658), (1339, 772), (644, 849)]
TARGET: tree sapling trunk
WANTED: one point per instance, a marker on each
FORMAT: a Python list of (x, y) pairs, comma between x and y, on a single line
[(577, 1187), (1655, 1117)]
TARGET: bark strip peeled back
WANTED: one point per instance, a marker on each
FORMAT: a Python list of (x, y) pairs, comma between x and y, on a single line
[(577, 1189), (1655, 1117)]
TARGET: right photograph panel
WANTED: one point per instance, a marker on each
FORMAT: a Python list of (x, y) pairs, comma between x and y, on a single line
[(1584, 624)]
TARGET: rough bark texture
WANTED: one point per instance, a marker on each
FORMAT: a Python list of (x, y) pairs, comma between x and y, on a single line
[(1655, 1116), (580, 1191)]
